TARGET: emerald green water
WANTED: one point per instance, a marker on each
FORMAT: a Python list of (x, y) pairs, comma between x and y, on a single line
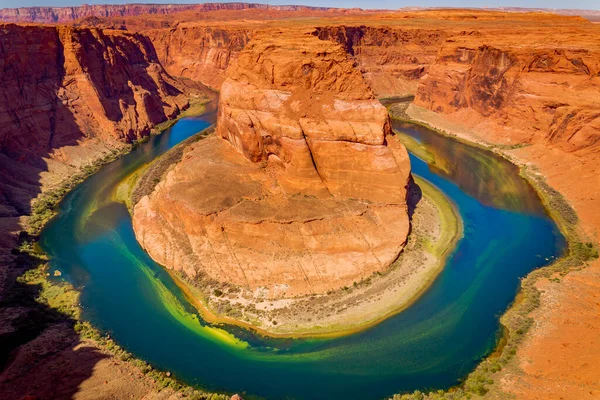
[(433, 344)]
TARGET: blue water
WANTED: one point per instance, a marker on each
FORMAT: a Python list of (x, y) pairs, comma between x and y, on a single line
[(433, 344)]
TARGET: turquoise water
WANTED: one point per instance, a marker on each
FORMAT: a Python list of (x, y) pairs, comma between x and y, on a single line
[(433, 344)]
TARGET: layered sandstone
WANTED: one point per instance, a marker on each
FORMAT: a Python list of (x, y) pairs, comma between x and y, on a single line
[(69, 14), (518, 88), (571, 165), (303, 196), (68, 95), (392, 60), (198, 52)]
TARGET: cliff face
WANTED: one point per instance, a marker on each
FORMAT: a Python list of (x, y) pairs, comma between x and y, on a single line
[(309, 195), (198, 52), (392, 60), (69, 95), (518, 90), (309, 108)]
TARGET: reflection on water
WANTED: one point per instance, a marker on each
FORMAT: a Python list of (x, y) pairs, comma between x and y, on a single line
[(489, 178), (432, 344)]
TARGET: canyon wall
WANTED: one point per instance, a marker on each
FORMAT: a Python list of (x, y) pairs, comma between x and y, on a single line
[(69, 95), (306, 194), (301, 102), (198, 52), (519, 89), (392, 60)]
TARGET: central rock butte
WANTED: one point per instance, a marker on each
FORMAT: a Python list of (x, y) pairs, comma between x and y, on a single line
[(298, 193)]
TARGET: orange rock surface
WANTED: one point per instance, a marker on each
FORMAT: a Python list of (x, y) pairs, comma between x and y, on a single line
[(508, 78), (199, 52), (306, 197), (70, 14), (519, 90), (70, 94)]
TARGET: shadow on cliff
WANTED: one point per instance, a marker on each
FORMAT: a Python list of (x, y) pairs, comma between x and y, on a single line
[(413, 197), (36, 122), (115, 89)]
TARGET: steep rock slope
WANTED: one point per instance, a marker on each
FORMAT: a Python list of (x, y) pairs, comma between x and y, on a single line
[(68, 95), (520, 88), (300, 102), (392, 60), (68, 14), (201, 53), (308, 195)]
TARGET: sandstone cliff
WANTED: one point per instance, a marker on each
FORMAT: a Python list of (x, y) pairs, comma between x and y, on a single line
[(68, 14), (69, 97), (518, 89), (199, 52), (392, 60), (69, 94), (308, 195)]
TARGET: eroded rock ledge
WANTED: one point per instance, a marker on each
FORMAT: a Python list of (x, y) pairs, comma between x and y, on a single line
[(305, 194)]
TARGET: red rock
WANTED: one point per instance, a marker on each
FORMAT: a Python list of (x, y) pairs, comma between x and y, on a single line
[(199, 52), (519, 88), (307, 196), (71, 94), (300, 101)]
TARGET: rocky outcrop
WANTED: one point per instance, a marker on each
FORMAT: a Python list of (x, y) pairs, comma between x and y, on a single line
[(199, 52), (392, 60), (70, 95), (305, 195), (519, 89), (306, 107)]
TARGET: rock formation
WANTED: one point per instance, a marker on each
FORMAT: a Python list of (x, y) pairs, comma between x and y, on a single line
[(199, 52), (68, 95), (69, 14), (518, 91), (392, 60), (514, 78), (304, 195)]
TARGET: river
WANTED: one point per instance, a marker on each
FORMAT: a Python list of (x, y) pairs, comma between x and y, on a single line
[(433, 344)]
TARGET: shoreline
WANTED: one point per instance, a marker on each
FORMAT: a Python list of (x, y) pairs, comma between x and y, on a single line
[(344, 323), (488, 363), (516, 321), (61, 298)]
